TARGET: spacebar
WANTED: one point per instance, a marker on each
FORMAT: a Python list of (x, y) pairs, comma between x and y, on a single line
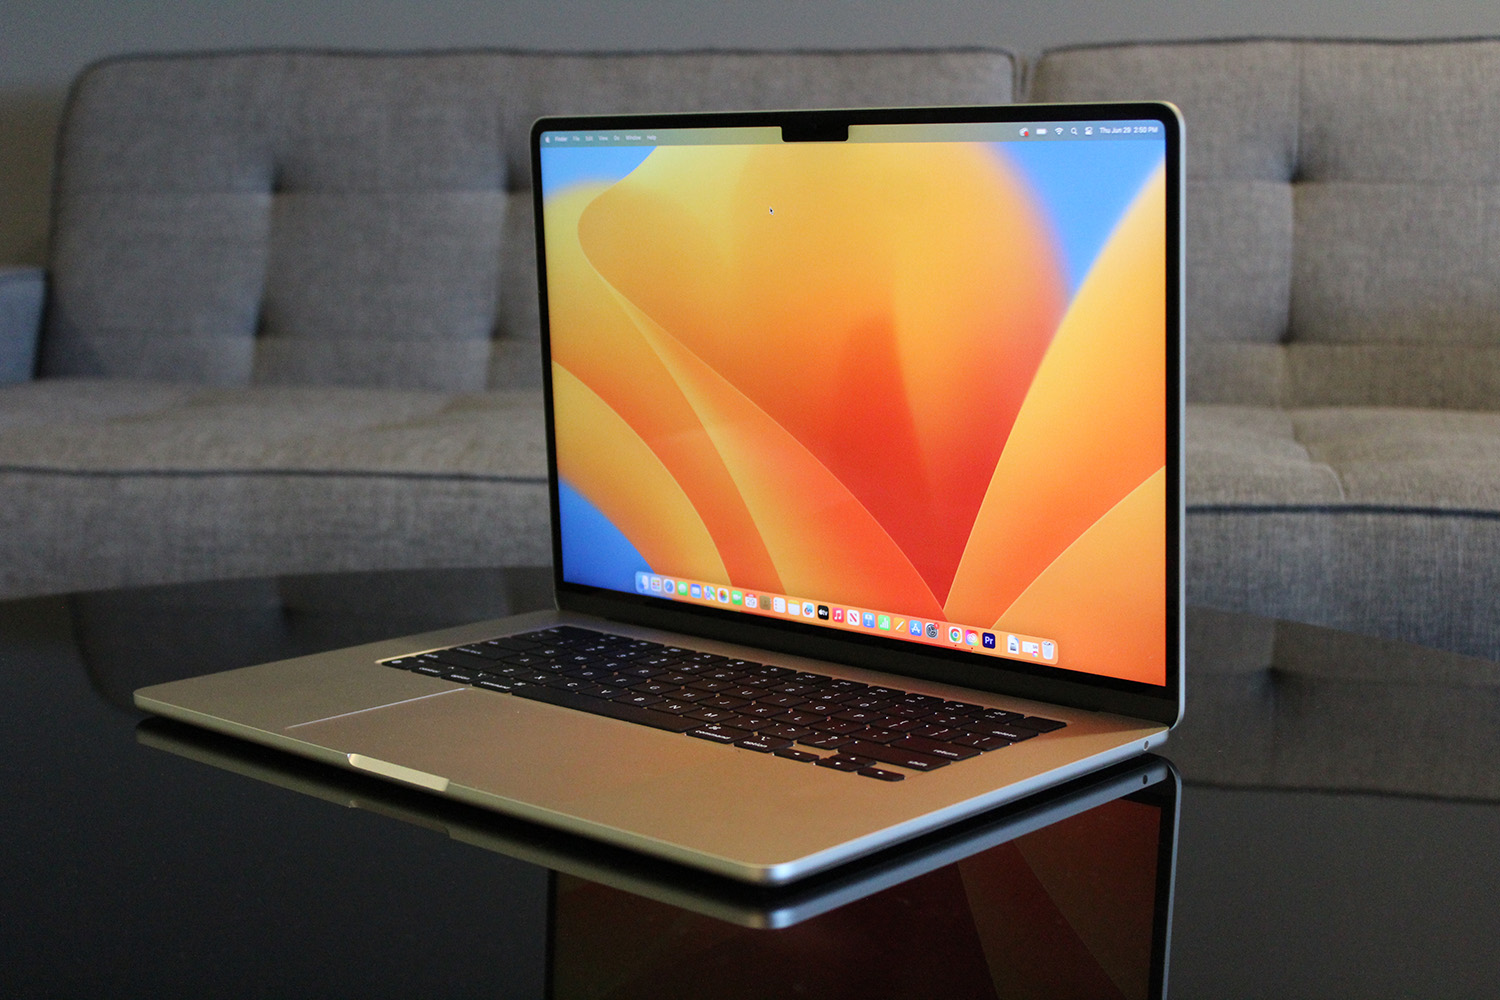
[(598, 706)]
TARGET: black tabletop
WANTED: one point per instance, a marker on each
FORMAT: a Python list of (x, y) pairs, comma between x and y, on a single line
[(1324, 823)]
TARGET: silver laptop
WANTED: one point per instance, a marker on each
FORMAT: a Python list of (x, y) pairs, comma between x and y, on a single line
[(865, 441)]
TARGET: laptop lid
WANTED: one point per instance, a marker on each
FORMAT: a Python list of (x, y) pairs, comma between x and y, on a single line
[(899, 388)]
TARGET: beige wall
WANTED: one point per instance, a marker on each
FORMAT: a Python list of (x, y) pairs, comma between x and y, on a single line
[(43, 43)]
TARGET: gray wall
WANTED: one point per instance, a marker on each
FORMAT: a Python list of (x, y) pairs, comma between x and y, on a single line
[(43, 43)]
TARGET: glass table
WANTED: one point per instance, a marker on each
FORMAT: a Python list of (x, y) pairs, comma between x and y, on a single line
[(1325, 822)]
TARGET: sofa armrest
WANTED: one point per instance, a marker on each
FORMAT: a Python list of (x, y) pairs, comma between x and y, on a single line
[(22, 290)]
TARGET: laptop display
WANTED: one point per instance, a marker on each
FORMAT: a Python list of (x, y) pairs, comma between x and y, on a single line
[(908, 383)]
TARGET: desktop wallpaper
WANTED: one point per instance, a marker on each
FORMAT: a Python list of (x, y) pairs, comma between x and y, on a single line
[(928, 377)]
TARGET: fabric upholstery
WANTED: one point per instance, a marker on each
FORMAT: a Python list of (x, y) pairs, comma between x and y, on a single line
[(156, 481)]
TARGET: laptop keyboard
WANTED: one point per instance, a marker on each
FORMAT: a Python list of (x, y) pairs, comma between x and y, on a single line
[(812, 718)]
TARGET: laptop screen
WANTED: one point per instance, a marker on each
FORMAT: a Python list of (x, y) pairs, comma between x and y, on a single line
[(918, 382)]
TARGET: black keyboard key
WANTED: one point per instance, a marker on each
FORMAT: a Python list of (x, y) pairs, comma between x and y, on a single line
[(786, 732), (909, 759), (933, 731), (705, 714), (838, 727), (1039, 724), (885, 692), (608, 691), (763, 744), (638, 698), (719, 734), (825, 741), (949, 719), (934, 748), (653, 687), (796, 717), (529, 659), (611, 709), (589, 673), (724, 701), (844, 762), (801, 756), (875, 772), (985, 743), (499, 647), (1013, 733)]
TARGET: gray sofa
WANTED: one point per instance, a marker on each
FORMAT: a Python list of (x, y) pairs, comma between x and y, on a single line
[(290, 322)]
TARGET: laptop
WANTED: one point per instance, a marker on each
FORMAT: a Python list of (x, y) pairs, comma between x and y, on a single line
[(865, 446)]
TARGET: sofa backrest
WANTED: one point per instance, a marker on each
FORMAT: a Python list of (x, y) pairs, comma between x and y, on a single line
[(360, 219), (1343, 213)]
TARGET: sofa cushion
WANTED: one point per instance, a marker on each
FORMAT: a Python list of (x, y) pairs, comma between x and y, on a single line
[(119, 482), (303, 218), (1376, 520)]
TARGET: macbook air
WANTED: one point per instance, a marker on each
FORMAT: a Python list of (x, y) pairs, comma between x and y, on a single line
[(864, 431)]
